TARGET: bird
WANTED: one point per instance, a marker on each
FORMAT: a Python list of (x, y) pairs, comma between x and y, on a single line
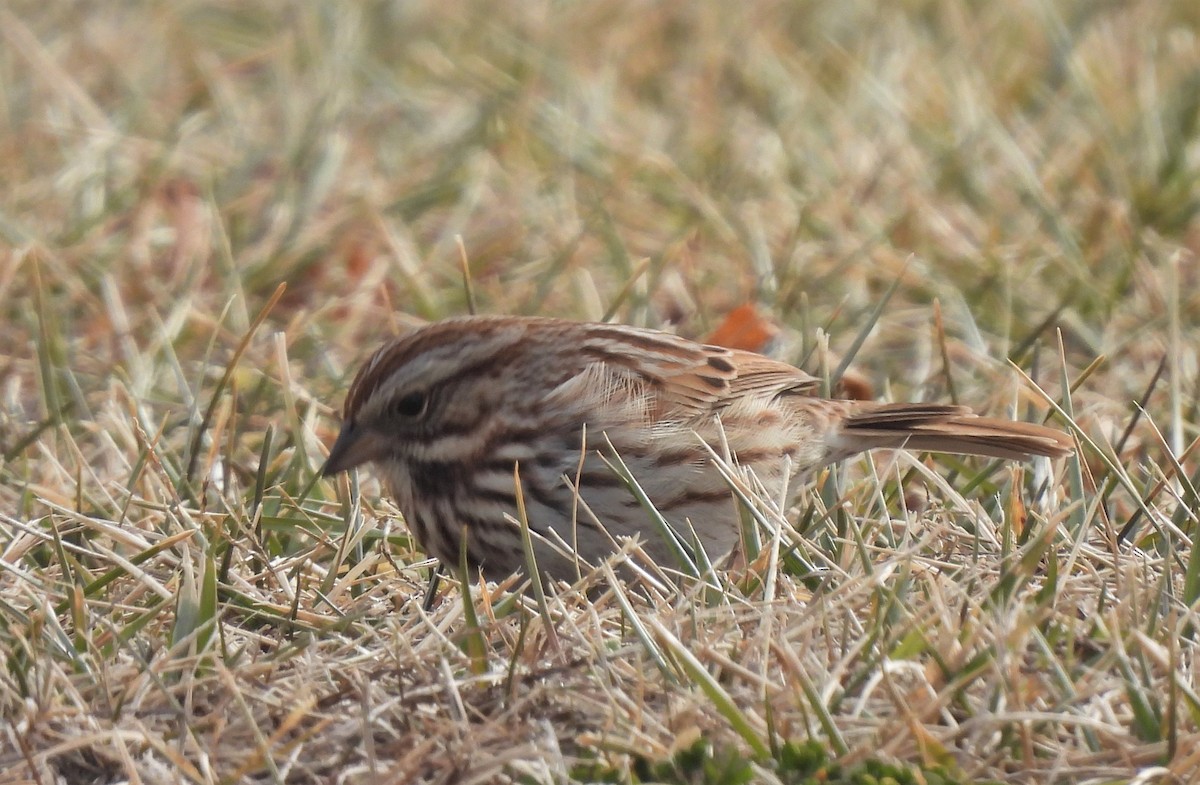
[(452, 416)]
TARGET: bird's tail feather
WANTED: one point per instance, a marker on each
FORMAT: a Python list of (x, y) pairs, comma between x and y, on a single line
[(949, 429)]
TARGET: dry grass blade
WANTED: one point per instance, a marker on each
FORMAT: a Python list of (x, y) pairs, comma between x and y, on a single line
[(868, 325), (535, 575)]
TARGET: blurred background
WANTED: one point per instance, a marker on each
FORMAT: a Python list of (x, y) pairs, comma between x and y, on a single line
[(668, 161)]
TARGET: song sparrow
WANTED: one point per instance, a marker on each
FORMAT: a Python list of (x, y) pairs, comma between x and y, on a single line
[(445, 412)]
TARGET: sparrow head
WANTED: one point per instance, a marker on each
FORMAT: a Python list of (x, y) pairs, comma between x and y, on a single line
[(410, 394)]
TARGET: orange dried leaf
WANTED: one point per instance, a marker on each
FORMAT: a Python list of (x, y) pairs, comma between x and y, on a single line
[(743, 328), (855, 386)]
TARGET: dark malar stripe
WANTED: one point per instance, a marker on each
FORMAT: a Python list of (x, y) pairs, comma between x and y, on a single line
[(438, 478)]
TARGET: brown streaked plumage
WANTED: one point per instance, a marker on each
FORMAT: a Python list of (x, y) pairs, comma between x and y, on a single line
[(444, 413)]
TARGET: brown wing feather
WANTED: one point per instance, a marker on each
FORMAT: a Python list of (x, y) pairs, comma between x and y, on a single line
[(720, 376), (691, 379)]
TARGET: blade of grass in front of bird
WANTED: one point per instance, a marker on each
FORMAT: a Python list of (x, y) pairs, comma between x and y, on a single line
[(685, 561), (535, 575), (473, 644), (750, 519)]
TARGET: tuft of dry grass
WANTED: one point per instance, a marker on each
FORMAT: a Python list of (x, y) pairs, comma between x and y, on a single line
[(181, 600)]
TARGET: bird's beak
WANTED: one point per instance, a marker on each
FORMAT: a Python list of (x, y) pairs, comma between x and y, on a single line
[(354, 447)]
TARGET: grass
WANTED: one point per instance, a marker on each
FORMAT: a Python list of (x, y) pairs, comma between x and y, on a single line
[(182, 600)]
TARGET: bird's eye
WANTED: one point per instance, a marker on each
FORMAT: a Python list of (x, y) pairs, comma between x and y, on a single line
[(410, 405)]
